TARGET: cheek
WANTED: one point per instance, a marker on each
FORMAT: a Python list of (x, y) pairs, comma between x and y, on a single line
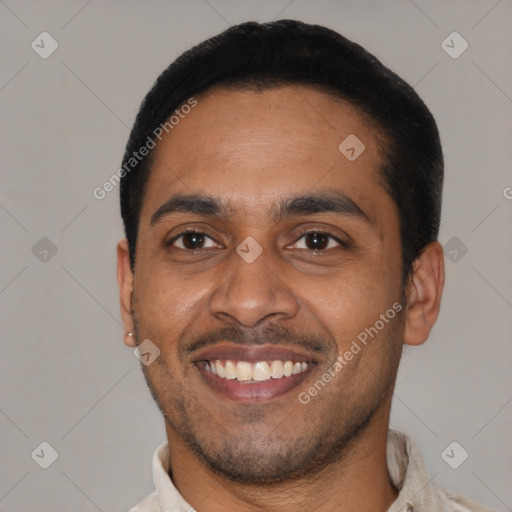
[(165, 301), (354, 299)]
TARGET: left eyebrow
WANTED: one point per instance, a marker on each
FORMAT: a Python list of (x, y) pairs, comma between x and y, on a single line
[(326, 202)]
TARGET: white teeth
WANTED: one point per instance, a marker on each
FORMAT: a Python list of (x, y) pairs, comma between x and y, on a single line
[(244, 371), (230, 370), (220, 369), (288, 368), (277, 369), (261, 371)]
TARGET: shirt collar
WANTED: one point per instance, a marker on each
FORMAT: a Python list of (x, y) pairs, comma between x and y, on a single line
[(409, 476), (169, 498)]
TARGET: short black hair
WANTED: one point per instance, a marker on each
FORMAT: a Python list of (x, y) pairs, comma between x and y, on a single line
[(287, 52)]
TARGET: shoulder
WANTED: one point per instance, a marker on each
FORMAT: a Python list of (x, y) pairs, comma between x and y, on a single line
[(148, 504), (417, 491), (455, 502)]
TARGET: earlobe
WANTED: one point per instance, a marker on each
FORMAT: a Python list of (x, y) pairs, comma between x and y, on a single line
[(423, 291), (125, 279)]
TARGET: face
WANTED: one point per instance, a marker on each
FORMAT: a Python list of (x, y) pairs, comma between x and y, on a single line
[(261, 243)]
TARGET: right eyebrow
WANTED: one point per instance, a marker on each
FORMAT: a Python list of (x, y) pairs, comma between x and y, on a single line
[(192, 203)]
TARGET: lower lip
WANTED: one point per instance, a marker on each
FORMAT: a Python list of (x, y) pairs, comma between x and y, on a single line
[(252, 391)]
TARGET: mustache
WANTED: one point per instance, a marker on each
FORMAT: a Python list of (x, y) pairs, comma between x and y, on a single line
[(271, 334)]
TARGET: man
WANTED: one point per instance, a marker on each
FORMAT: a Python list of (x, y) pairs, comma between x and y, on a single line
[(281, 196)]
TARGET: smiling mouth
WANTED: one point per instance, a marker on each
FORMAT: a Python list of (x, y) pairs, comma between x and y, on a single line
[(253, 373), (254, 382), (245, 371)]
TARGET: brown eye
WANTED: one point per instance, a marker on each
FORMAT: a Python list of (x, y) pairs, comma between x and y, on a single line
[(317, 241), (192, 241)]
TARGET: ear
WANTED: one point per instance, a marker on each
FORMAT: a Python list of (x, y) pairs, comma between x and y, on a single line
[(125, 281), (423, 291)]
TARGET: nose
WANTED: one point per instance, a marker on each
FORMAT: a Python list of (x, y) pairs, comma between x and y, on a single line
[(251, 292)]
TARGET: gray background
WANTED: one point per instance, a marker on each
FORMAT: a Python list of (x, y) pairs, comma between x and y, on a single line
[(67, 378)]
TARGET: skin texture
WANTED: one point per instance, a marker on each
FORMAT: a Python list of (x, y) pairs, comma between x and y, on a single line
[(253, 149)]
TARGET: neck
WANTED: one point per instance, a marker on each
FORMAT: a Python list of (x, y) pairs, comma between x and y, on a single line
[(357, 482)]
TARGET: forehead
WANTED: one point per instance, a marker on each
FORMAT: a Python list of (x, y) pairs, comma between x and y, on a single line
[(254, 148)]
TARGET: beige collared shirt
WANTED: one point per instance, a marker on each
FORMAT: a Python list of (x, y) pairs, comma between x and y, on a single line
[(406, 468)]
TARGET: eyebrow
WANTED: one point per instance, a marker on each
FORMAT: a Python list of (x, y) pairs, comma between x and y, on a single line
[(207, 206), (326, 202), (193, 203)]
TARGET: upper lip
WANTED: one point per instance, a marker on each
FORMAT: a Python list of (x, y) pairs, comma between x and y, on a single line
[(252, 353)]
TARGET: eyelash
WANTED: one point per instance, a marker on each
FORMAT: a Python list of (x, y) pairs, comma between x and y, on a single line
[(190, 231), (302, 235), (310, 231)]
